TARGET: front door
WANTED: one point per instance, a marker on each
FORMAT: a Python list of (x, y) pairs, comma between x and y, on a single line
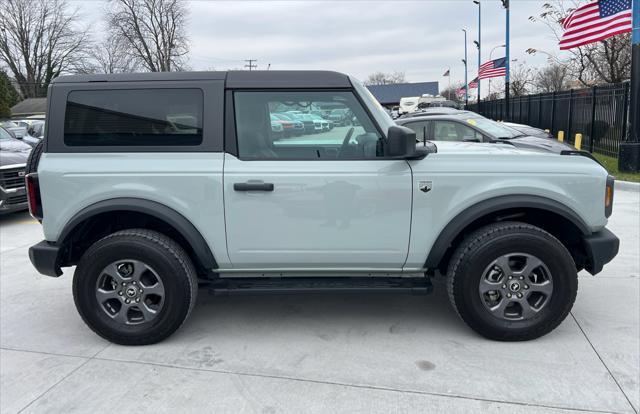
[(317, 198)]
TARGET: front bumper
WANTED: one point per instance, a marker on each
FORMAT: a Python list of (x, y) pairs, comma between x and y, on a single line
[(601, 247), (44, 257), (14, 199)]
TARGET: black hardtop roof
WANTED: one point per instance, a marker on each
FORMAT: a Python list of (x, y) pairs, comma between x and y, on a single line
[(234, 79)]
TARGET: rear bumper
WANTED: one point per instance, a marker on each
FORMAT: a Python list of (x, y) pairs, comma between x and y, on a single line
[(601, 247), (44, 257)]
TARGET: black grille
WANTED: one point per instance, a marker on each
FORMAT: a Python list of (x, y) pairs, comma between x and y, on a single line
[(19, 199), (12, 178)]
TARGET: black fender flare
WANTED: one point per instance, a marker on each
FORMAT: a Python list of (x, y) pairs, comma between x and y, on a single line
[(152, 208), (492, 205)]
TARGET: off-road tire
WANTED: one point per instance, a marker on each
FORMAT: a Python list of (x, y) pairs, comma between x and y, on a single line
[(486, 244), (166, 257)]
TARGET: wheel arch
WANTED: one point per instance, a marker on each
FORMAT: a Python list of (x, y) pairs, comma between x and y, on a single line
[(556, 218), (105, 217)]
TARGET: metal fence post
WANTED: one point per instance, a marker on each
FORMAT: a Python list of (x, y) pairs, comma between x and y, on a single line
[(625, 114), (539, 111), (593, 118), (570, 115), (553, 110)]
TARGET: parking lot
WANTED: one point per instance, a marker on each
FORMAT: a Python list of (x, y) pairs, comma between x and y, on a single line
[(320, 353)]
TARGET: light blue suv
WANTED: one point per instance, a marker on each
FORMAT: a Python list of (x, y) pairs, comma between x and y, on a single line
[(153, 184)]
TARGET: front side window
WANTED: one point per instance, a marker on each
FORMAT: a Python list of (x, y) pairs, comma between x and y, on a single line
[(304, 125), (454, 131), (134, 117), (421, 129)]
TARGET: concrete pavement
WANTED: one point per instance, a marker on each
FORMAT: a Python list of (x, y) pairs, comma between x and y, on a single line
[(320, 353)]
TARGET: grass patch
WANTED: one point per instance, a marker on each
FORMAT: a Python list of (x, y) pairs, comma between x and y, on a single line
[(611, 164)]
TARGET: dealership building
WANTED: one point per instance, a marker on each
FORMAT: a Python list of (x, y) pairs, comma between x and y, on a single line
[(389, 95)]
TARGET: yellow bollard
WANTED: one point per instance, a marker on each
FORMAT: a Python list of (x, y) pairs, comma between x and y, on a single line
[(561, 136), (578, 143)]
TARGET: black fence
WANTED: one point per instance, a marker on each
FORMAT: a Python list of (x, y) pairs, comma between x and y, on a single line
[(599, 113)]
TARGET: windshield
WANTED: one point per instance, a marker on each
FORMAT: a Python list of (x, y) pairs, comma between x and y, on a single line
[(4, 135), (493, 128), (382, 117)]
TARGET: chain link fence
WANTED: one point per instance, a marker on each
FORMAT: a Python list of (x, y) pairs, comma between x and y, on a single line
[(599, 113)]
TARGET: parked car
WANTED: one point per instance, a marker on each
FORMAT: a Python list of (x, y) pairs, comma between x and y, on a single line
[(13, 157), (148, 212), (324, 124), (290, 123), (340, 117), (17, 130), (34, 133), (474, 128)]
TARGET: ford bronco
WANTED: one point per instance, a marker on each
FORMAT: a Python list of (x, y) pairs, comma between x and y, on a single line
[(155, 184)]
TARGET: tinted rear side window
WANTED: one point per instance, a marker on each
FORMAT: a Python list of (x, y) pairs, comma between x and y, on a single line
[(134, 117)]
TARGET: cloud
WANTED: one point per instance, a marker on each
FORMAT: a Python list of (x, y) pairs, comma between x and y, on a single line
[(421, 38)]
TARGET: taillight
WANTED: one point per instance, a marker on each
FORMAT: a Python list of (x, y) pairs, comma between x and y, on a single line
[(608, 196), (33, 196)]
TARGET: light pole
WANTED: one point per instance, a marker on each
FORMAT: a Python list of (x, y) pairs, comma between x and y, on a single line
[(505, 3), (466, 80), (491, 58), (629, 155), (479, 44)]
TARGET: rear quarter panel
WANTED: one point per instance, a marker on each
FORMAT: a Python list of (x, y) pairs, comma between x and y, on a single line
[(189, 183)]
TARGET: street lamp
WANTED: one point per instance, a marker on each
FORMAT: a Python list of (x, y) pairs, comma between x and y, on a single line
[(478, 44), (466, 80)]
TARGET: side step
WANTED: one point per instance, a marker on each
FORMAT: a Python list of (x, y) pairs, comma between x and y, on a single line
[(298, 285)]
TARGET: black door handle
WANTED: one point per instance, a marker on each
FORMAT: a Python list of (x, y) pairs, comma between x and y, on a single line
[(253, 186)]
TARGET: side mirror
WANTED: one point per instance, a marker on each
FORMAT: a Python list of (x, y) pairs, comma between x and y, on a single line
[(401, 143), (470, 139)]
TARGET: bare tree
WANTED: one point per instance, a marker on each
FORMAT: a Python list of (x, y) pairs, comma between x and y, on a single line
[(110, 56), (152, 30), (607, 61), (451, 93), (382, 78), (39, 40), (520, 79), (552, 78)]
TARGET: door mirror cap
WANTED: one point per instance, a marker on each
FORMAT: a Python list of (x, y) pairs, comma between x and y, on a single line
[(401, 143)]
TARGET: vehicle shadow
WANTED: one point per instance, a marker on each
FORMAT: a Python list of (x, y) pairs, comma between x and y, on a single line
[(15, 218)]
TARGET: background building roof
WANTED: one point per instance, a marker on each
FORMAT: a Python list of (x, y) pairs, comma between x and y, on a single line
[(391, 93), (29, 106)]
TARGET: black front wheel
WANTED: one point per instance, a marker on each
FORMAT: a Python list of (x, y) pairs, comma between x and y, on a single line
[(135, 287), (512, 281)]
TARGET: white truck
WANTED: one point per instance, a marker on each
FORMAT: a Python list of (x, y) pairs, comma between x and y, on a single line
[(155, 184)]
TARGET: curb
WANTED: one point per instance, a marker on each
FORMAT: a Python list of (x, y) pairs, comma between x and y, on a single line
[(627, 186)]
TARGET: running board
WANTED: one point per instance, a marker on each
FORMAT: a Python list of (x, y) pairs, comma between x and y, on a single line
[(243, 286)]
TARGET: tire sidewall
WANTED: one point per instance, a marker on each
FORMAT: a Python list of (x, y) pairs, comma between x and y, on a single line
[(177, 298), (550, 251)]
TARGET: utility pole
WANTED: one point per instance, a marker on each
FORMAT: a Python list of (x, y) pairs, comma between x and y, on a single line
[(466, 76), (629, 155), (505, 3), (250, 64)]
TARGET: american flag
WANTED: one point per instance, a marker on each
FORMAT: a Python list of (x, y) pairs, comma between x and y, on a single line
[(472, 85), (493, 68), (596, 21)]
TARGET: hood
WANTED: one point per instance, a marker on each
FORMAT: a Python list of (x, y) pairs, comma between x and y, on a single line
[(539, 143), (484, 148), (10, 158), (14, 145)]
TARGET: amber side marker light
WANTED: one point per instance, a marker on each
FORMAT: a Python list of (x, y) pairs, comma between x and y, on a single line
[(608, 196)]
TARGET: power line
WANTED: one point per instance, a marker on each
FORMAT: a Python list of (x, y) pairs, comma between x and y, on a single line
[(250, 65)]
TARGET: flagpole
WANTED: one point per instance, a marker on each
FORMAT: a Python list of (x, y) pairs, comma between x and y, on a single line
[(466, 80), (629, 154), (479, 45), (449, 88)]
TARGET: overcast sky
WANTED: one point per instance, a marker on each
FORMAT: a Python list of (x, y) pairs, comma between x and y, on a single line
[(421, 38)]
